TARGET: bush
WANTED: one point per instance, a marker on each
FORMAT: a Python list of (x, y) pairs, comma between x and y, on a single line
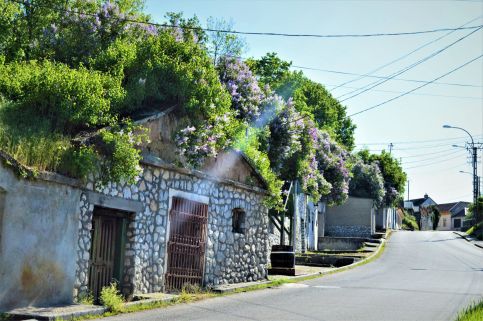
[(476, 231), (69, 99), (410, 223), (86, 298), (111, 298)]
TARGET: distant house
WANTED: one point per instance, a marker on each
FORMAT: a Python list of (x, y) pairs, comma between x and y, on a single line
[(445, 216), (458, 215), (452, 215), (421, 209)]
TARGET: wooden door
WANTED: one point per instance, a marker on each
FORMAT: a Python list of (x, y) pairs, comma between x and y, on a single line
[(106, 254), (187, 243)]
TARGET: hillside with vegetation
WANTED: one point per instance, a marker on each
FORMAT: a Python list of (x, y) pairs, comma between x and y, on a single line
[(74, 75)]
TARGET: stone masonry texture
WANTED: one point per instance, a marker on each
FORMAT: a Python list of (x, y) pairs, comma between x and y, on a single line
[(230, 257)]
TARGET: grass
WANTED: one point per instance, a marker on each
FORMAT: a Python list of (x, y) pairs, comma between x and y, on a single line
[(472, 313), (30, 141), (476, 231), (409, 223)]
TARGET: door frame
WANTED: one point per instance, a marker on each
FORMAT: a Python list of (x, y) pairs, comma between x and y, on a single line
[(191, 197), (122, 219)]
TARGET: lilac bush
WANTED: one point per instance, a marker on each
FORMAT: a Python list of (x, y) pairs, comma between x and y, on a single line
[(247, 97), (82, 33)]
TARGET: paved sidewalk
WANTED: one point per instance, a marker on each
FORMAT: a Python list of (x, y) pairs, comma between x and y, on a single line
[(75, 310), (470, 239)]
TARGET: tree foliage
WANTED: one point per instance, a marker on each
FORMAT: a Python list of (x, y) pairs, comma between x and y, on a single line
[(223, 44), (392, 173), (310, 98), (367, 181), (75, 69)]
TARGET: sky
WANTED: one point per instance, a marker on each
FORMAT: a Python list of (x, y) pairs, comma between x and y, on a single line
[(412, 123)]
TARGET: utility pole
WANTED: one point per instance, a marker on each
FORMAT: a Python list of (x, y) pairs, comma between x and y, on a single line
[(408, 189), (475, 175), (390, 148)]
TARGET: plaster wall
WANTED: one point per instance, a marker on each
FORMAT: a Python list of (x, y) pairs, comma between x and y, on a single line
[(39, 233), (354, 218)]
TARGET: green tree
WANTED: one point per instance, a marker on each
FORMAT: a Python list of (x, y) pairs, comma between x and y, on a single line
[(367, 181), (270, 69), (392, 172), (222, 44), (309, 97)]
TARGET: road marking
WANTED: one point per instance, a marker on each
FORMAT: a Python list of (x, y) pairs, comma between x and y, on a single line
[(294, 285), (326, 287)]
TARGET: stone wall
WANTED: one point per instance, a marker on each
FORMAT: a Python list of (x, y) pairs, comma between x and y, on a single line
[(348, 231), (230, 257)]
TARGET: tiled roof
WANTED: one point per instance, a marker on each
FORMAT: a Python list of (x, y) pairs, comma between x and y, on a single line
[(418, 201), (446, 206)]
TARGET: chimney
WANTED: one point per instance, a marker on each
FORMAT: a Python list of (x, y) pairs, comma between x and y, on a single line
[(426, 196)]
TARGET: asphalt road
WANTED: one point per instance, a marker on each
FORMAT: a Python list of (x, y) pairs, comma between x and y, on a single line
[(421, 276)]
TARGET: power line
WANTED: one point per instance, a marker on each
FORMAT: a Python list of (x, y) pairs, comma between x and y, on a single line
[(416, 94), (384, 77), (419, 141), (426, 154), (403, 56), (434, 54), (433, 163), (442, 169), (424, 147), (432, 158), (164, 25), (412, 90)]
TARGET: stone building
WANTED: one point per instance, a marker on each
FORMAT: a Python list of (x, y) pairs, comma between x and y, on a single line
[(61, 238)]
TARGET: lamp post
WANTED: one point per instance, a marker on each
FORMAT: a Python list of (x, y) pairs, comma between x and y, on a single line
[(475, 177)]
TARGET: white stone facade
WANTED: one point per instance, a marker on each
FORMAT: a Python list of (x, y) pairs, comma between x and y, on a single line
[(230, 257)]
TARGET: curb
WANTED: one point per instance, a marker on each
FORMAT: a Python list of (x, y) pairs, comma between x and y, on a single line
[(303, 277), (51, 316), (468, 239)]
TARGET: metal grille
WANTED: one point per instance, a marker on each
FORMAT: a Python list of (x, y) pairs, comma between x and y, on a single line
[(103, 254), (187, 242)]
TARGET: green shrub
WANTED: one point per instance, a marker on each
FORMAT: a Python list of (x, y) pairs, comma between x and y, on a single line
[(70, 99), (86, 298), (410, 223), (476, 231), (111, 298), (250, 147)]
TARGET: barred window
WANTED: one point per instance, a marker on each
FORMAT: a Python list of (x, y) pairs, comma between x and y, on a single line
[(238, 221)]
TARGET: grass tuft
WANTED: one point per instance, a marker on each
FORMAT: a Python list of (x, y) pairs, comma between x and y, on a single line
[(472, 313), (111, 298)]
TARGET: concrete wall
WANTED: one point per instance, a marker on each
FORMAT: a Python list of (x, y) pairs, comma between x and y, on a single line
[(322, 208), (340, 243), (39, 233), (354, 218)]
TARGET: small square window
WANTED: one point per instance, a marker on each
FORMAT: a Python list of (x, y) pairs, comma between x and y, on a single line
[(238, 221)]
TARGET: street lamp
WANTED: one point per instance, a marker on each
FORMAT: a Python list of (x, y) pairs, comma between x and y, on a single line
[(475, 177)]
